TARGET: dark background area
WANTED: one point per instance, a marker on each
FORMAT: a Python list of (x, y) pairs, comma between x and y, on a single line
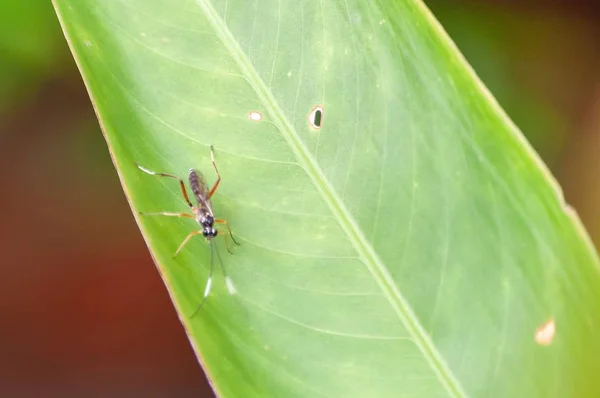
[(84, 312)]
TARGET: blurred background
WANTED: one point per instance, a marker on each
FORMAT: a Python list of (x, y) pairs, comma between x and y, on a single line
[(84, 312)]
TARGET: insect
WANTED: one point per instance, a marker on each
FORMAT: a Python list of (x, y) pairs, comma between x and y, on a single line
[(203, 214)]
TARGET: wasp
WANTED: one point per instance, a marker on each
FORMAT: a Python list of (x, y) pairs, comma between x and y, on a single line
[(203, 214)]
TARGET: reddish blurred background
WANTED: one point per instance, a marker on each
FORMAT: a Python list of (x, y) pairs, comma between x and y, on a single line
[(84, 312)]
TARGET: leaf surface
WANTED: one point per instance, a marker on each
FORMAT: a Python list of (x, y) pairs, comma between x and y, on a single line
[(411, 246)]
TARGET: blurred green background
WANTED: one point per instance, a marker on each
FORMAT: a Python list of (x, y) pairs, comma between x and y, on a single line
[(84, 312)]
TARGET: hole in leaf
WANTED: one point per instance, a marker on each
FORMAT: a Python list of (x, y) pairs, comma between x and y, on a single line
[(315, 117)]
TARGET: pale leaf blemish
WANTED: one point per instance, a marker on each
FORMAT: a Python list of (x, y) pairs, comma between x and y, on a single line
[(316, 116), (87, 43), (382, 22), (255, 116), (289, 74), (544, 335), (165, 40)]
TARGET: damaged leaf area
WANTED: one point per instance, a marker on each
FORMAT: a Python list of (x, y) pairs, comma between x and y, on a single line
[(315, 117), (412, 246)]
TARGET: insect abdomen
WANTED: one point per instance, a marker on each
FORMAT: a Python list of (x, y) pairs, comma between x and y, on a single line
[(197, 184)]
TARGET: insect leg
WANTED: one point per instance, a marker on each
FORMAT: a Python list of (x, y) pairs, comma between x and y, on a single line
[(226, 242), (186, 240), (216, 185), (208, 281), (181, 184), (222, 221), (168, 213)]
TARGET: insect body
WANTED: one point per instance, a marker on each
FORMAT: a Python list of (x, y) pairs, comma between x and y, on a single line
[(203, 214)]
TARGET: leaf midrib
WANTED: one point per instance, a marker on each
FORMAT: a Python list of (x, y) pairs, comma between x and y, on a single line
[(342, 215)]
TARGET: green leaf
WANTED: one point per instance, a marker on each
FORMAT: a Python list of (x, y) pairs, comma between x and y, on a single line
[(411, 246)]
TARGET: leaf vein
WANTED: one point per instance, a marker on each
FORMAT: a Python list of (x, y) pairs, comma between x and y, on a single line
[(359, 241)]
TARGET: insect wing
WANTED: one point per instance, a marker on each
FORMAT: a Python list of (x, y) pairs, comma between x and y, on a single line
[(200, 189)]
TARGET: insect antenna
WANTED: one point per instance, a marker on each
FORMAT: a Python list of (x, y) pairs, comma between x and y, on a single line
[(209, 280), (228, 281)]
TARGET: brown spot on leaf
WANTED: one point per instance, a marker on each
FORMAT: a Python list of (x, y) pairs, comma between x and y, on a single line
[(255, 116), (544, 335)]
